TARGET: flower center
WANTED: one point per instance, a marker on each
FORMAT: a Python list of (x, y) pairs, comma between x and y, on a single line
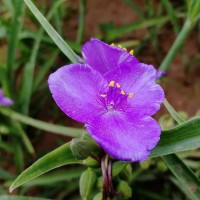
[(115, 98)]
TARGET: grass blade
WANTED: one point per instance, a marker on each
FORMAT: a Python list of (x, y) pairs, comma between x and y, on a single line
[(57, 158), (189, 182), (12, 197), (27, 81), (82, 5), (56, 129), (62, 45), (12, 46), (180, 138)]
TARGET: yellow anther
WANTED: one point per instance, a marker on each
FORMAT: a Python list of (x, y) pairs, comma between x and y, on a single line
[(124, 49), (103, 95), (130, 95), (131, 52), (122, 92), (120, 46), (112, 84), (118, 85), (112, 45)]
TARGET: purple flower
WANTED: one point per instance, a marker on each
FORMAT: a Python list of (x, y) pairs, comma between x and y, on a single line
[(115, 96), (5, 101)]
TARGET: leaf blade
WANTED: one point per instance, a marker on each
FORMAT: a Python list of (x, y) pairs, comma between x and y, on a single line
[(59, 157)]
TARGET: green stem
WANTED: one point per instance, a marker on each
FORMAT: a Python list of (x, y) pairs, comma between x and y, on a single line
[(81, 21), (63, 46), (12, 46), (188, 26), (45, 126)]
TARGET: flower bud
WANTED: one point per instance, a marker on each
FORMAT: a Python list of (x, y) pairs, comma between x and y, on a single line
[(87, 183)]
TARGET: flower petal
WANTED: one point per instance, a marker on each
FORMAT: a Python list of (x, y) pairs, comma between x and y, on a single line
[(141, 81), (125, 137), (75, 89), (103, 57), (5, 101)]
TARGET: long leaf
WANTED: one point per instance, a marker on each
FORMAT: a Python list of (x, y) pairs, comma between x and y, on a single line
[(11, 197), (189, 182), (57, 129), (63, 46), (181, 138), (12, 46), (27, 84), (57, 158)]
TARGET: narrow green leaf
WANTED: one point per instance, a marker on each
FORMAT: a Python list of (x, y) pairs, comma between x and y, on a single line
[(16, 26), (57, 158), (12, 197), (19, 131), (56, 129), (63, 46), (173, 113), (172, 14), (188, 180), (181, 138), (44, 69), (120, 31), (27, 81), (55, 177), (82, 4), (194, 10)]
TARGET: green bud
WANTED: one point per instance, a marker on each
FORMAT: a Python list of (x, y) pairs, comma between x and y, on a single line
[(162, 166), (82, 148), (87, 183), (98, 196), (124, 190), (145, 164), (90, 162)]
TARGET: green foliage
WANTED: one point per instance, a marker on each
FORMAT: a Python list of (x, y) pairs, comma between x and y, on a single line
[(57, 158), (87, 183)]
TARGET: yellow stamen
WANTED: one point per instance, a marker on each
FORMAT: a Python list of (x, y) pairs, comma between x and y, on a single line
[(131, 52), (112, 45), (130, 95), (112, 83), (103, 95), (124, 49), (122, 92), (118, 85), (120, 46)]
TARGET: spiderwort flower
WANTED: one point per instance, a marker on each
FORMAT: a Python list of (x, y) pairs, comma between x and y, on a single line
[(4, 101), (115, 96)]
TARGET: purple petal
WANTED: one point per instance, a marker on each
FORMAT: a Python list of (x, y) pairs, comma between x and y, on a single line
[(5, 101), (75, 88), (141, 81), (103, 57), (124, 137)]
